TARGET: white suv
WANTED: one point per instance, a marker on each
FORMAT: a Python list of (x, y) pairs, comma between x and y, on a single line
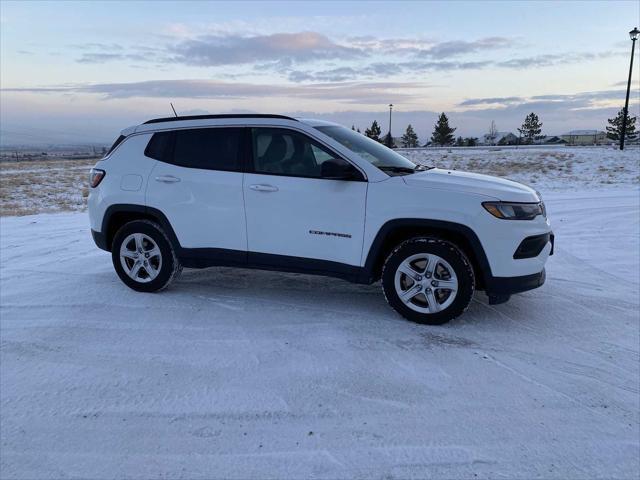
[(278, 193)]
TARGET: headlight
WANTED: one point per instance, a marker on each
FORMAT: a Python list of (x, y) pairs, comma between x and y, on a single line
[(514, 211)]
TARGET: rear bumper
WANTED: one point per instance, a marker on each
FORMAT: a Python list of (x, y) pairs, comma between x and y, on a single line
[(100, 240)]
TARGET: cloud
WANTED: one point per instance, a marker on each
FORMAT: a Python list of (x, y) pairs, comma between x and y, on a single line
[(110, 57), (283, 50), (489, 101), (586, 97), (551, 59), (216, 50), (311, 57), (332, 75), (462, 47), (384, 69), (346, 92), (567, 101), (395, 46), (97, 46)]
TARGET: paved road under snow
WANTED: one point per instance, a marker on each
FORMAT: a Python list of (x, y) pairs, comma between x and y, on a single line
[(243, 374)]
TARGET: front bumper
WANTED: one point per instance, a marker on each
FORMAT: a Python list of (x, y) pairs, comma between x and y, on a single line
[(511, 285), (500, 289)]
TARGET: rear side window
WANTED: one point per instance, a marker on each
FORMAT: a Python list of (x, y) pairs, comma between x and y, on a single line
[(204, 148), (209, 148)]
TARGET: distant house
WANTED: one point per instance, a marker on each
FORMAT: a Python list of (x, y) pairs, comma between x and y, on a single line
[(554, 140), (549, 140), (584, 137), (500, 138)]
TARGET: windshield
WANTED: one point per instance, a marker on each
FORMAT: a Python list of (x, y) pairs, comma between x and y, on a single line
[(375, 153)]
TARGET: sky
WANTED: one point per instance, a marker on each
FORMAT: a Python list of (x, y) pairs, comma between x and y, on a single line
[(81, 71)]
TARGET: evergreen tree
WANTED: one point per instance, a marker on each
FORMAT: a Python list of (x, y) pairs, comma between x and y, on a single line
[(410, 138), (358, 130), (353, 127), (459, 142), (442, 132), (374, 131), (471, 141), (531, 128), (388, 141), (614, 131)]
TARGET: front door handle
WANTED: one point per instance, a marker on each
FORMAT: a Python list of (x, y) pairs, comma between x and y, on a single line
[(263, 188), (167, 179)]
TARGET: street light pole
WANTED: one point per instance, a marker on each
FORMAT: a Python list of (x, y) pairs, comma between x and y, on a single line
[(633, 34), (390, 140)]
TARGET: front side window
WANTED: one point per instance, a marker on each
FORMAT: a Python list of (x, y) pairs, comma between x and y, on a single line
[(203, 148), (280, 151)]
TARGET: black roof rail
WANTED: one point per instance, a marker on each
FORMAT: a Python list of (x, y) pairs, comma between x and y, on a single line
[(208, 117)]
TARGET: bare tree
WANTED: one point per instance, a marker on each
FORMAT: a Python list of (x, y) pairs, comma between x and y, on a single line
[(493, 133)]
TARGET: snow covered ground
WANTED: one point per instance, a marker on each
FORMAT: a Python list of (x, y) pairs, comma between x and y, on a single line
[(248, 374)]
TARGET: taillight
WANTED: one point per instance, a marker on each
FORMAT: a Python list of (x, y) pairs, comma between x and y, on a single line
[(95, 177)]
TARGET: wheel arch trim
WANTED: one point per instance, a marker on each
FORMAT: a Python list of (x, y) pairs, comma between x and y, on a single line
[(391, 226), (145, 212)]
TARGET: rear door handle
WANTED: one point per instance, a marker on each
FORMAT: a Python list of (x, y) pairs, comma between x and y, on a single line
[(167, 179), (263, 188)]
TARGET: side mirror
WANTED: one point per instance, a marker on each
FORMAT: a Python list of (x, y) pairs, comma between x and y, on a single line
[(339, 169)]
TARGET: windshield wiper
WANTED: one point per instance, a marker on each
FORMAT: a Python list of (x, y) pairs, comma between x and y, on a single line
[(407, 170)]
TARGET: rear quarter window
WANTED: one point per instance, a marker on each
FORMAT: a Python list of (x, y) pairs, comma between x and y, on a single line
[(160, 146)]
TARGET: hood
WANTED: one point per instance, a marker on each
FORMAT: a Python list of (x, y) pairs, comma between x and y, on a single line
[(465, 182)]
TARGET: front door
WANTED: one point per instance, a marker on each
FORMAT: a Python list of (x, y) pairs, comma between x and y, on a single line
[(291, 210)]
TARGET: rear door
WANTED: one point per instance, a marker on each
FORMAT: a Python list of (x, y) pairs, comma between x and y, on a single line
[(293, 211), (197, 184)]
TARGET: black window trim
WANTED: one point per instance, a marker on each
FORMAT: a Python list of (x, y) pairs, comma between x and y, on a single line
[(115, 145), (240, 162), (249, 164)]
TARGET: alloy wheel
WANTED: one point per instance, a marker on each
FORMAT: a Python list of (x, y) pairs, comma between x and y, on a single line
[(426, 283), (140, 257)]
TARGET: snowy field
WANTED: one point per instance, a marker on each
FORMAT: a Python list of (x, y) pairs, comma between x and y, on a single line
[(546, 168), (60, 185), (53, 185), (248, 374)]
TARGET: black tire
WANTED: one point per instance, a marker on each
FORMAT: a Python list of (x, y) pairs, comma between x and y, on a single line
[(170, 267), (448, 252)]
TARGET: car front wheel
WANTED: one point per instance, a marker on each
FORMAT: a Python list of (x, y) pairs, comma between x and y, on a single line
[(428, 280)]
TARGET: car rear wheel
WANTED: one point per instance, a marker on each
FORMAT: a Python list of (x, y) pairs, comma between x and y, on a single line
[(143, 256), (428, 280)]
